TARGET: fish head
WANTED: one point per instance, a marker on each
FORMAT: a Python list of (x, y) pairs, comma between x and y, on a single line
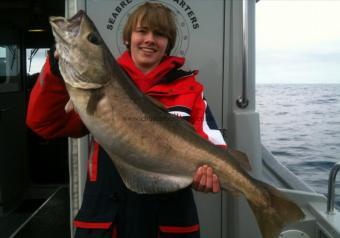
[(83, 55)]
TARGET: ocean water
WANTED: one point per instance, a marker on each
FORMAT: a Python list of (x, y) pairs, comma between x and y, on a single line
[(300, 125)]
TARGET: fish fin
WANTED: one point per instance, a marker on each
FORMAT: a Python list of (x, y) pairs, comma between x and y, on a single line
[(281, 212), (142, 181), (96, 96), (191, 126), (161, 107), (156, 103), (242, 158), (232, 190)]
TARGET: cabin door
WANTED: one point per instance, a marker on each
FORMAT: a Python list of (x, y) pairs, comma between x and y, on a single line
[(13, 159)]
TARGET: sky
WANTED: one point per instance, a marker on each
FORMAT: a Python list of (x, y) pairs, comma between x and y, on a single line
[(298, 41)]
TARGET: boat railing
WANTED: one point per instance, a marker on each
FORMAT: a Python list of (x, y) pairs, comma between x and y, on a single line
[(243, 101), (331, 188)]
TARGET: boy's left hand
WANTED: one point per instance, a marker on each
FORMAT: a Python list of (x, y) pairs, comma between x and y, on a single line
[(205, 180)]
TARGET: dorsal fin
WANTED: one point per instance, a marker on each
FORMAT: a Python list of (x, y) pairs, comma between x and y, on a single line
[(189, 125), (161, 107), (156, 103), (242, 158)]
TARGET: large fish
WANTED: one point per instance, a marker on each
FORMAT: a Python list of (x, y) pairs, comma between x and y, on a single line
[(153, 151)]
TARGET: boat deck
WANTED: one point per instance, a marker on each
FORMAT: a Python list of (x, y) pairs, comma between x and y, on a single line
[(51, 219)]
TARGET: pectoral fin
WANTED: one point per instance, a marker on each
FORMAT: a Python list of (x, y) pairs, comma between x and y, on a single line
[(95, 97)]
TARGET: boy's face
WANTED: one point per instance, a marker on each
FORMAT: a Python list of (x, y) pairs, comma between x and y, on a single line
[(147, 47)]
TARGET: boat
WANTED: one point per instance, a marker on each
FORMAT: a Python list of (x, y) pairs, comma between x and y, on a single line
[(223, 31)]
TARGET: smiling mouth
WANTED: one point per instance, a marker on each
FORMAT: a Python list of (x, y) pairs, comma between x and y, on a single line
[(148, 50)]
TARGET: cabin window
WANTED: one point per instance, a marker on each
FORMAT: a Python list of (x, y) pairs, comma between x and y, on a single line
[(35, 59), (9, 68)]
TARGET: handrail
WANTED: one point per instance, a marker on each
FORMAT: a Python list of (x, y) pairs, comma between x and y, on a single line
[(331, 188), (242, 101)]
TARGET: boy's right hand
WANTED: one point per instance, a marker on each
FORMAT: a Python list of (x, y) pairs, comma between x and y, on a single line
[(69, 106)]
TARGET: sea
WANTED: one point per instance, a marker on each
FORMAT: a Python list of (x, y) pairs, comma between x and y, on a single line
[(300, 125)]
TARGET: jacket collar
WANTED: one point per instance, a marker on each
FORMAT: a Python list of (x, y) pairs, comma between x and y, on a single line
[(146, 81)]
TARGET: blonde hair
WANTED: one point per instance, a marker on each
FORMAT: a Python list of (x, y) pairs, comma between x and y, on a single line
[(156, 17)]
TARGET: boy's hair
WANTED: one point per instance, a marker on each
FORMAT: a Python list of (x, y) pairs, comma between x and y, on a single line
[(156, 17)]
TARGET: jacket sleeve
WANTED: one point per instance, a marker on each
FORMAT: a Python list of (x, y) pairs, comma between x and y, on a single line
[(204, 122), (45, 114)]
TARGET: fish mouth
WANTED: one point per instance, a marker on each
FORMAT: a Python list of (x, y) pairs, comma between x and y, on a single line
[(67, 29)]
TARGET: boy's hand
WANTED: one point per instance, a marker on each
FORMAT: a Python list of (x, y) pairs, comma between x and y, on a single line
[(56, 55), (205, 180)]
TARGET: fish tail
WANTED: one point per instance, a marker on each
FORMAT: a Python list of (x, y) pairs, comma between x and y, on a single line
[(280, 212)]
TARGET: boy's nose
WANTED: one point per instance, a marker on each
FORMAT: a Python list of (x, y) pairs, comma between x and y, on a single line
[(150, 37)]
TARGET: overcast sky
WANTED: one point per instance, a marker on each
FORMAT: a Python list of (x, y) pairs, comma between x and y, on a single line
[(298, 41)]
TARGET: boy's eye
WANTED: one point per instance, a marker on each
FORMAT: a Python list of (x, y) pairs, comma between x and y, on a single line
[(141, 30), (159, 33)]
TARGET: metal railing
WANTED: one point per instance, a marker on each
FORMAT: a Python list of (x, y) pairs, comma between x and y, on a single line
[(331, 188), (243, 101)]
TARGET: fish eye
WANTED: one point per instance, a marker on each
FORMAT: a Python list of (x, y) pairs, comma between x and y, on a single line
[(94, 38)]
